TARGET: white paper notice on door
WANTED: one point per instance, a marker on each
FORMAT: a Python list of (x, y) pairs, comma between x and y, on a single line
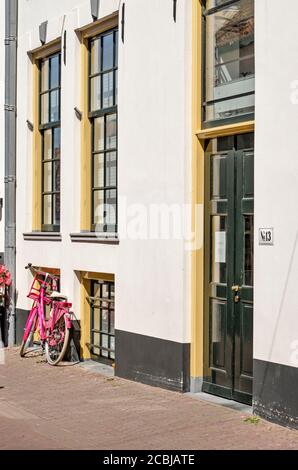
[(220, 247)]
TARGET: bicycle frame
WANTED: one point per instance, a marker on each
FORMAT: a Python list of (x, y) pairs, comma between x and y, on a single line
[(59, 308)]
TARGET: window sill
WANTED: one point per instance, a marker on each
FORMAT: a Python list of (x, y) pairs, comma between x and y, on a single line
[(93, 237), (43, 236)]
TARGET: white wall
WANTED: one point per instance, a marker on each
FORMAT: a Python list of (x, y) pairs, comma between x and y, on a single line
[(276, 182), (152, 277), (2, 147)]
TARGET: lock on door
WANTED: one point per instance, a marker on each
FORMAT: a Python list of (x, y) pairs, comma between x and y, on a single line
[(237, 290)]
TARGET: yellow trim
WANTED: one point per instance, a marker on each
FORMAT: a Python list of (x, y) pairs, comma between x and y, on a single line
[(98, 276), (197, 287), (85, 285), (231, 129), (46, 50), (35, 55), (198, 192), (36, 153), (97, 27), (85, 141), (85, 318)]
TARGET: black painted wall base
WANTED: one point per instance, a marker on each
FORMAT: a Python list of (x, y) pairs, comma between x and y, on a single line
[(275, 394), (21, 318), (152, 361)]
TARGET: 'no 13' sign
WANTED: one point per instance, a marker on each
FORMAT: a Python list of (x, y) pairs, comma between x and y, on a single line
[(266, 236)]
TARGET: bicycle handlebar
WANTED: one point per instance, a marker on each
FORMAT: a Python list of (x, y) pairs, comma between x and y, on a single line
[(35, 272)]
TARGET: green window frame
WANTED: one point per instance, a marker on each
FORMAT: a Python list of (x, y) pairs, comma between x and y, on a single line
[(50, 130), (103, 115), (102, 310), (228, 62)]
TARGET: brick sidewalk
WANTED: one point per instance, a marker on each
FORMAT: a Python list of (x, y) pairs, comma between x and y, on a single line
[(67, 407)]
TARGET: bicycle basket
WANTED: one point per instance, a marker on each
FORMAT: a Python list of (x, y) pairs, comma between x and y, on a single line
[(40, 279)]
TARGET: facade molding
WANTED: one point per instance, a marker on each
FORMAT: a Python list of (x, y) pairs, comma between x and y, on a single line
[(98, 27), (222, 131), (47, 49)]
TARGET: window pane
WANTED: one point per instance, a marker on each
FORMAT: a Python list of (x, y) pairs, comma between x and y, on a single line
[(47, 177), (56, 167), (96, 341), (44, 75), (95, 56), (218, 312), (249, 250), (112, 322), (96, 318), (105, 291), (116, 49), (219, 249), (55, 114), (108, 52), (95, 93), (116, 87), (105, 344), (112, 346), (47, 145), (111, 169), (230, 60), (111, 199), (99, 140), (98, 177), (107, 90), (44, 109), (57, 144), (55, 72), (98, 204), (105, 321), (231, 108), (47, 210), (56, 214), (111, 131)]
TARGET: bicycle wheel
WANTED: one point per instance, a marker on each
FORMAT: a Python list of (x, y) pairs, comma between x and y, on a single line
[(57, 342), (29, 332)]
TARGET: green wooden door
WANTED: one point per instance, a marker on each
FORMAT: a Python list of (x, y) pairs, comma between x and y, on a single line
[(229, 274)]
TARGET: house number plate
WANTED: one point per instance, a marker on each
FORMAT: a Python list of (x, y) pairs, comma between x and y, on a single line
[(266, 236)]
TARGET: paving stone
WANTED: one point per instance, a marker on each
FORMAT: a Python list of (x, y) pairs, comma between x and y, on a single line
[(72, 407)]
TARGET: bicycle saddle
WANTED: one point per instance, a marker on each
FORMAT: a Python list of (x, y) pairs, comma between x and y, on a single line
[(58, 295)]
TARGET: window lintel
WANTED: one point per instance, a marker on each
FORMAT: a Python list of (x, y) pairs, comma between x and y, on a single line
[(46, 50), (98, 27)]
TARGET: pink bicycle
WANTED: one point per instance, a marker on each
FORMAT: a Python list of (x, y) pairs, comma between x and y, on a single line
[(54, 332)]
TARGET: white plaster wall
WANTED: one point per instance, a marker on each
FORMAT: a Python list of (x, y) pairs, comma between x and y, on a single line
[(2, 146), (276, 182), (152, 277)]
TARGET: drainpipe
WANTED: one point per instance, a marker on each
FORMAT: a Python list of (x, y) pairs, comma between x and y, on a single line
[(11, 29)]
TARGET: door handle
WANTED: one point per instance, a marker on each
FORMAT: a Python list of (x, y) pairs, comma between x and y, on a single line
[(237, 290)]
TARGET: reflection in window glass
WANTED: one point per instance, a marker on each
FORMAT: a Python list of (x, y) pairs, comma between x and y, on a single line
[(219, 249), (249, 250), (55, 71), (107, 53), (229, 68), (51, 146), (95, 85), (103, 115), (111, 131)]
